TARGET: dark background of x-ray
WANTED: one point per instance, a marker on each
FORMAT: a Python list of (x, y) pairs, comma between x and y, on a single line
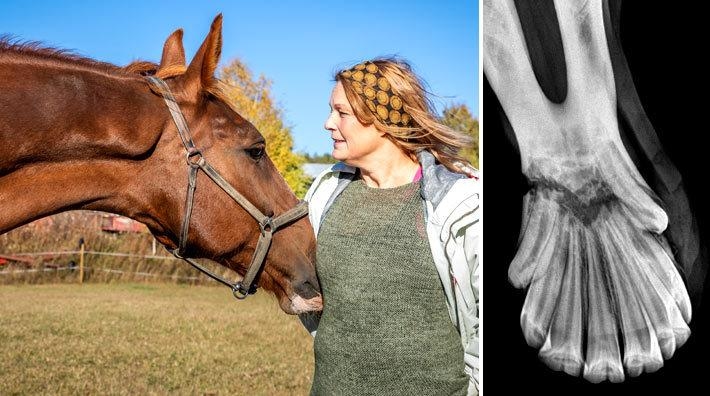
[(663, 43)]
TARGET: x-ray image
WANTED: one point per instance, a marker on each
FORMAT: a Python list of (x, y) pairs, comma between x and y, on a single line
[(595, 246)]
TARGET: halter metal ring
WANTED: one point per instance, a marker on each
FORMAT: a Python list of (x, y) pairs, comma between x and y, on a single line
[(194, 157), (238, 291), (267, 225)]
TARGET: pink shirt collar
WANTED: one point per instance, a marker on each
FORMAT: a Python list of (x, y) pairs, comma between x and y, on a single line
[(418, 175)]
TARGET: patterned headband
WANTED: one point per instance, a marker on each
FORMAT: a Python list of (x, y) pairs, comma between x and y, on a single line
[(374, 88)]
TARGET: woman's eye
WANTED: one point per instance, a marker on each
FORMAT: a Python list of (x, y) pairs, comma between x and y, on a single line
[(256, 152)]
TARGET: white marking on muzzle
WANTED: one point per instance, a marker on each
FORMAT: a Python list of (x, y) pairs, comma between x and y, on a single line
[(300, 305)]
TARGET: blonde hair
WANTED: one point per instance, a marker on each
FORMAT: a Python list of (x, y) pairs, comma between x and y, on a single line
[(425, 131)]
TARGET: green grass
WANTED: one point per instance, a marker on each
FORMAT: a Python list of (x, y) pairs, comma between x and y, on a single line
[(148, 339)]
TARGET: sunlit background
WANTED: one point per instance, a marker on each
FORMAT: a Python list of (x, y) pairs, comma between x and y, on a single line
[(295, 44)]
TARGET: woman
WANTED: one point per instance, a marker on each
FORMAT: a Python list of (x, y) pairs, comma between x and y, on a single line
[(397, 226)]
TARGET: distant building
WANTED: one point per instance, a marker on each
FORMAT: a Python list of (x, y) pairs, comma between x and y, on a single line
[(87, 220), (313, 170), (115, 223)]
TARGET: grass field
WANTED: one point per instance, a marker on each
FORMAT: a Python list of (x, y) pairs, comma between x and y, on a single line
[(148, 339)]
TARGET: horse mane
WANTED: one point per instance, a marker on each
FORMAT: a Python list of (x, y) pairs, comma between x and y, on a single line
[(35, 50), (38, 52), (144, 68)]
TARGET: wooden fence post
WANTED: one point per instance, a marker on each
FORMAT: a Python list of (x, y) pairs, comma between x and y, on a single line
[(81, 262)]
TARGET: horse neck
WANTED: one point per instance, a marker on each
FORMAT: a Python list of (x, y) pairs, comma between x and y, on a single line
[(68, 134)]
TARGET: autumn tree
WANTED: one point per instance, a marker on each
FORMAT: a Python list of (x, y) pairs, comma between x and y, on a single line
[(252, 99), (324, 158), (459, 118)]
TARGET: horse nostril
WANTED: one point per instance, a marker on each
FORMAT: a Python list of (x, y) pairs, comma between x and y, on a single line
[(307, 289)]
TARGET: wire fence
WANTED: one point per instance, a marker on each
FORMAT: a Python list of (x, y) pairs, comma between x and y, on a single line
[(18, 264), (75, 246), (108, 270), (91, 252)]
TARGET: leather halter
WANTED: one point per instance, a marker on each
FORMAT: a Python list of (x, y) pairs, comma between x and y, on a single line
[(196, 161)]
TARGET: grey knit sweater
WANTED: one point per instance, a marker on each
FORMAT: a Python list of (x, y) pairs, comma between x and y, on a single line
[(385, 328)]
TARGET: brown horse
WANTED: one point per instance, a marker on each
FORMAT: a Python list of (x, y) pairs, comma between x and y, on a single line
[(80, 134)]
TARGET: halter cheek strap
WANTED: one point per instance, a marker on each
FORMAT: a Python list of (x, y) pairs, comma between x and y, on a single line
[(196, 161)]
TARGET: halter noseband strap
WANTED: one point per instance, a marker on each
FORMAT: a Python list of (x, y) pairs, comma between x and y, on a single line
[(196, 161)]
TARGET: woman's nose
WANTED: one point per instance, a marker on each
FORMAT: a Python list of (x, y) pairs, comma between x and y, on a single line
[(329, 124)]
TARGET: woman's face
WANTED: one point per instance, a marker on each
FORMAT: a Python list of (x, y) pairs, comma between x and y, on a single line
[(352, 141)]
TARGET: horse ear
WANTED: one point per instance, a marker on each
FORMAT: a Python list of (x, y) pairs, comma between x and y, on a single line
[(200, 73), (173, 52)]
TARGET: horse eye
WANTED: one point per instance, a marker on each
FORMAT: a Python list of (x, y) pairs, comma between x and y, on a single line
[(256, 152)]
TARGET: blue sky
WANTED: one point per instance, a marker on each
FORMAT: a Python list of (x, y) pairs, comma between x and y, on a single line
[(296, 44)]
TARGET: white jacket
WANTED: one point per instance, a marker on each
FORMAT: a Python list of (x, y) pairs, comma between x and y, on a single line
[(453, 229)]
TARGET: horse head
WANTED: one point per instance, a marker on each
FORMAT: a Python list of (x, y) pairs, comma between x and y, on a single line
[(219, 228), (82, 134)]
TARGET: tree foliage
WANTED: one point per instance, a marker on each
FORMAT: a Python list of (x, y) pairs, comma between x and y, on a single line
[(459, 118), (252, 99), (324, 158)]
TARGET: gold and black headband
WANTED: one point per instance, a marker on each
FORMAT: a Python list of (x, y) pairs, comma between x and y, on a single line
[(374, 88)]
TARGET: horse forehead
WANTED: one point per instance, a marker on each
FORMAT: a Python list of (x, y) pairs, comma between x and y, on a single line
[(223, 117)]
